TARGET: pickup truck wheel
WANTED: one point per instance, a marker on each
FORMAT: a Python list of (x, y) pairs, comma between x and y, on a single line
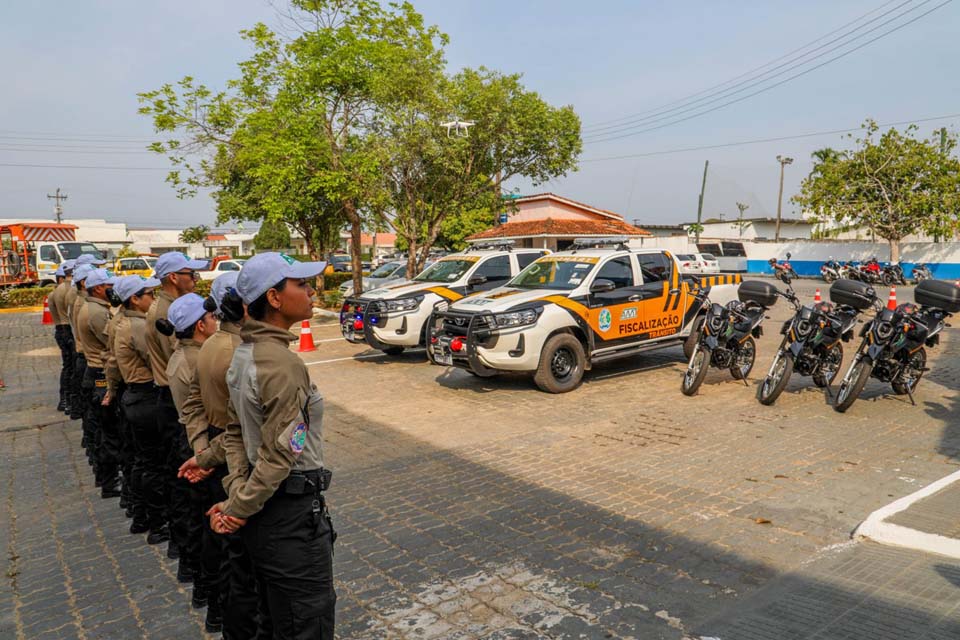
[(393, 351), (691, 342), (561, 364)]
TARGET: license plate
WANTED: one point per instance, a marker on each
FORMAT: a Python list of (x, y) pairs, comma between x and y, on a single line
[(442, 356), (347, 332)]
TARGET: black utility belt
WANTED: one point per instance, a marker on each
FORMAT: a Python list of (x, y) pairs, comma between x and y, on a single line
[(140, 386), (299, 483)]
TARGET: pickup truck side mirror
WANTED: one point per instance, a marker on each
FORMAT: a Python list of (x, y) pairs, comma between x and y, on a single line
[(476, 281), (602, 285)]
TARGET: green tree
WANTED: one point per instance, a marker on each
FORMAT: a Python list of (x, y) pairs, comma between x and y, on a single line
[(274, 235), (435, 175), (891, 183), (127, 251), (195, 234)]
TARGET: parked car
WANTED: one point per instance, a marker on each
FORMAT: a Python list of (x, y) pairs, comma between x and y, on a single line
[(394, 271), (138, 266), (220, 266), (698, 263), (340, 263)]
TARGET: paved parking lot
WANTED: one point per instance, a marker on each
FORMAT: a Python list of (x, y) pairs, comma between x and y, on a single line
[(472, 508)]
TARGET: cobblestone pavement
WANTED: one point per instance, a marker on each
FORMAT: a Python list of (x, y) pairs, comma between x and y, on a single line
[(482, 508)]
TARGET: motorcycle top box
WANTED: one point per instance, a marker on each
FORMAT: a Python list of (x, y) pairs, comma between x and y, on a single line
[(852, 293), (938, 293), (758, 292)]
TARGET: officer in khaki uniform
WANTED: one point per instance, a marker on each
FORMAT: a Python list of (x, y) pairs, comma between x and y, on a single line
[(225, 567), (84, 265), (115, 390), (192, 323), (139, 407), (62, 333), (177, 275), (280, 509), (92, 320)]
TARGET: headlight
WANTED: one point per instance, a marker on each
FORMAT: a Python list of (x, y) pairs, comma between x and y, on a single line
[(884, 330), (804, 328), (515, 318), (404, 304)]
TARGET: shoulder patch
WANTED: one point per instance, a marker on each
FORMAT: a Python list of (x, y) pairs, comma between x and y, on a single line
[(298, 437)]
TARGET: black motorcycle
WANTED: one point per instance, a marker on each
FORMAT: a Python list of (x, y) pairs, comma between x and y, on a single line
[(894, 341), (922, 272), (727, 336), (812, 338), (893, 274)]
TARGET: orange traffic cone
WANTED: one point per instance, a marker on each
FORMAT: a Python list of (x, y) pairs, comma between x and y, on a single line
[(306, 338), (47, 318), (892, 300), (816, 296)]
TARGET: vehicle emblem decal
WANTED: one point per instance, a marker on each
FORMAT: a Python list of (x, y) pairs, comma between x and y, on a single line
[(629, 313), (604, 320)]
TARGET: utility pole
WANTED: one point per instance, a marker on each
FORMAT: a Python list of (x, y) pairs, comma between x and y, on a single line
[(743, 207), (703, 188), (940, 235), (784, 161), (57, 209)]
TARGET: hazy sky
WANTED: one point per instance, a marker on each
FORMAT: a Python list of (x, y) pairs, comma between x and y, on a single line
[(71, 71)]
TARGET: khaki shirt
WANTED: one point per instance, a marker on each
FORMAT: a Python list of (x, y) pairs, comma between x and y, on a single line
[(209, 399), (78, 303), (160, 346), (92, 320), (110, 367), (180, 371), (130, 348), (57, 303), (280, 414), (69, 297)]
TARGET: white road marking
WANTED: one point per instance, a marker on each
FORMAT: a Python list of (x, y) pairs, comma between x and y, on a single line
[(358, 357)]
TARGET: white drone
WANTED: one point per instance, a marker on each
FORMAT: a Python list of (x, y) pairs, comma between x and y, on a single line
[(459, 127)]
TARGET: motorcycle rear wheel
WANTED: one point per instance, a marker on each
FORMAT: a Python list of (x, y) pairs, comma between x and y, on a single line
[(776, 381), (836, 356), (918, 362), (850, 389), (744, 359)]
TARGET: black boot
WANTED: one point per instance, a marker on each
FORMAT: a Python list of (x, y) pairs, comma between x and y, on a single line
[(214, 620), (173, 551), (110, 489), (199, 600), (61, 406), (185, 572), (138, 527), (158, 535)]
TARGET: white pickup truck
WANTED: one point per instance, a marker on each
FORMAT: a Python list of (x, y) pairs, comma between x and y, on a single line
[(571, 309), (393, 318)]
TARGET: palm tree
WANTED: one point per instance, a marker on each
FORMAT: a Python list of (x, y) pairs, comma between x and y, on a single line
[(191, 235)]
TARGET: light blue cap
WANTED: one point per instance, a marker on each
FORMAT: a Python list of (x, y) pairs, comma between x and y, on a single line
[(222, 284), (89, 258), (175, 261), (130, 285), (66, 265), (185, 311), (82, 271), (97, 277), (264, 270)]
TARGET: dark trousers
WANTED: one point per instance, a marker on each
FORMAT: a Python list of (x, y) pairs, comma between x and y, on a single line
[(186, 528), (148, 471), (103, 428), (291, 543), (78, 400), (128, 495), (213, 547), (241, 602), (65, 341)]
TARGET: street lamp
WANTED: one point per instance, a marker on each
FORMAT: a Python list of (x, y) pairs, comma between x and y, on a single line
[(784, 161)]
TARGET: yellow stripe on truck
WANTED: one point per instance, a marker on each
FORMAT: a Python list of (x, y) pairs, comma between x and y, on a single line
[(443, 292)]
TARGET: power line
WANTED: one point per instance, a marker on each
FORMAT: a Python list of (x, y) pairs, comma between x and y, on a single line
[(3, 148), (76, 139), (72, 166), (626, 119), (777, 84), (764, 140)]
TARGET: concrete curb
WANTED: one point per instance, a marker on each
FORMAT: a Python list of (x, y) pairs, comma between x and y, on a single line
[(875, 528), (21, 309)]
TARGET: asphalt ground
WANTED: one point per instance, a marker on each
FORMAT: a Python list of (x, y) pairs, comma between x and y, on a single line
[(483, 508)]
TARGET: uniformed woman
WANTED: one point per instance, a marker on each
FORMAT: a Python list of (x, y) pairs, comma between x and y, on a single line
[(139, 407), (192, 323), (279, 508)]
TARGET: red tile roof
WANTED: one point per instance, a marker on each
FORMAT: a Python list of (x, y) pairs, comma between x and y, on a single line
[(553, 227)]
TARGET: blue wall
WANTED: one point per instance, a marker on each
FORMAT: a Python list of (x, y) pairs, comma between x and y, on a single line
[(941, 271)]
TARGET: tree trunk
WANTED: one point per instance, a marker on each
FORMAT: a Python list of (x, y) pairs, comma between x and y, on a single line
[(315, 257), (894, 250), (411, 258)]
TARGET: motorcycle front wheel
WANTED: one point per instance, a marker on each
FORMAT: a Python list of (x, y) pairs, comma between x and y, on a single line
[(696, 371), (776, 381), (853, 383), (887, 279)]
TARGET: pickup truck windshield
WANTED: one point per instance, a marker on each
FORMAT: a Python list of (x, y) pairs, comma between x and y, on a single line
[(73, 250), (386, 270), (449, 270), (562, 273)]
